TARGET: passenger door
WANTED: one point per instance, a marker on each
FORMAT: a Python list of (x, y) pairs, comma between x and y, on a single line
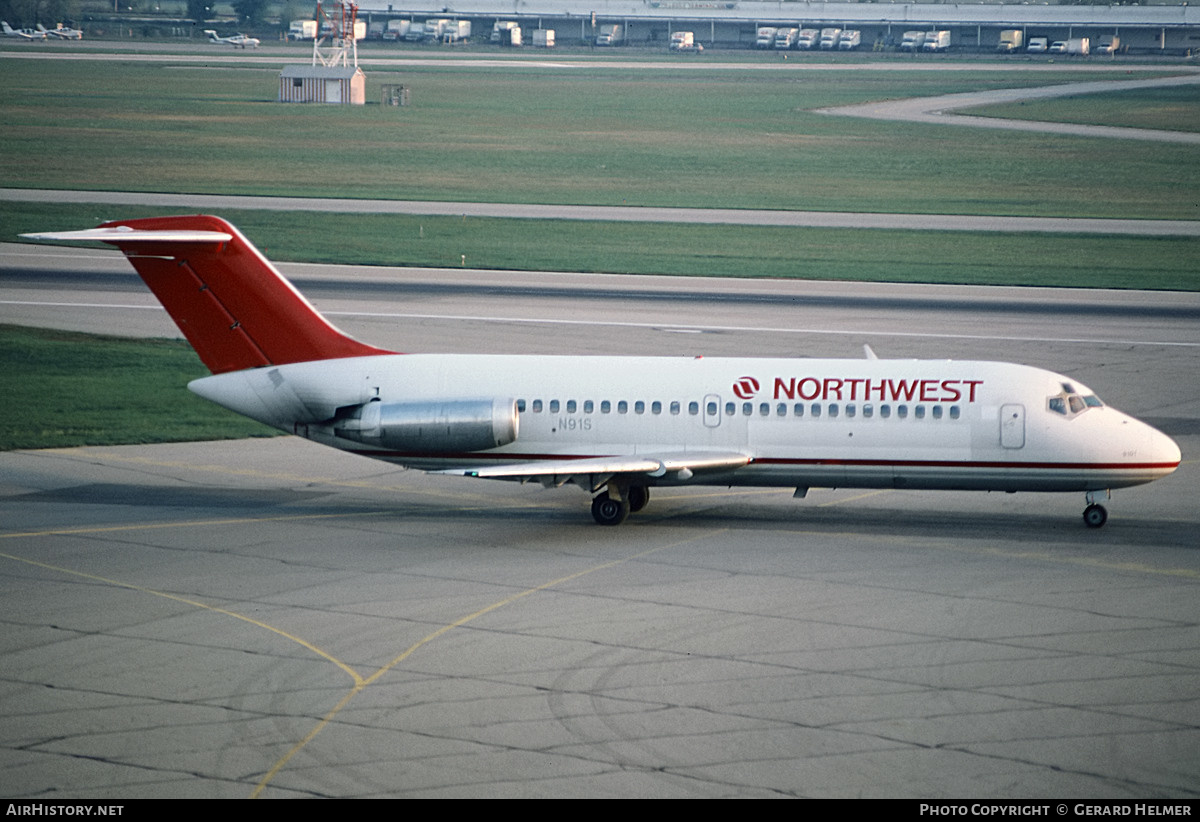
[(1012, 426)]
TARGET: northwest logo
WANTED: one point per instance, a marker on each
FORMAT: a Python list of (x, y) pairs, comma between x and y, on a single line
[(745, 387)]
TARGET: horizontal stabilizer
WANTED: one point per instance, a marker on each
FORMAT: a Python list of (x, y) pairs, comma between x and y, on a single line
[(125, 234)]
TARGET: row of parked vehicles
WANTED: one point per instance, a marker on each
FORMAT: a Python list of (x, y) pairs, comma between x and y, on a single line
[(508, 33), (1013, 40), (785, 38)]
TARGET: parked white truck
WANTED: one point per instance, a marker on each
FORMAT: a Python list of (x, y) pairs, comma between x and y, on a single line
[(850, 39), (1010, 40), (764, 38), (785, 38), (610, 35), (302, 30), (808, 39), (456, 31), (829, 38), (543, 38), (506, 33), (912, 41), (684, 41), (396, 29), (936, 40)]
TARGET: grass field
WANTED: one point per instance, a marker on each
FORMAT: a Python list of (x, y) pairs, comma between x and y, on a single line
[(1173, 109), (600, 135), (611, 135), (697, 250), (121, 392)]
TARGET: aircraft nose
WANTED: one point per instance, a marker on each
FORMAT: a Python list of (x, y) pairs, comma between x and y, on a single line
[(1159, 452), (1165, 450)]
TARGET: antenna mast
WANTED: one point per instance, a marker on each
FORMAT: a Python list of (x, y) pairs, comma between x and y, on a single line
[(340, 21)]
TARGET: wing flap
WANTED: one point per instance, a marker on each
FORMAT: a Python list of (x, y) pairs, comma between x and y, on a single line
[(601, 469)]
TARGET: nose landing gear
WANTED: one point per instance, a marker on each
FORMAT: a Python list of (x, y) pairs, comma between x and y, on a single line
[(1095, 515)]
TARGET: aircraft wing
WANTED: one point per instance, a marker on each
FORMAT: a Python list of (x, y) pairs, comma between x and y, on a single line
[(594, 472)]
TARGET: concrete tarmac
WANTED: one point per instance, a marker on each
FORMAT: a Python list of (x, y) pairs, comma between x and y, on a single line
[(270, 618)]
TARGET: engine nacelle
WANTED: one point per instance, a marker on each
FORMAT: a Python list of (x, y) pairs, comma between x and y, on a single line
[(432, 427)]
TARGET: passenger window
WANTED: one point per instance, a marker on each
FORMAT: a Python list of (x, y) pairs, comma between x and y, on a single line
[(588, 406), (781, 409), (537, 406), (954, 412), (622, 407), (570, 406), (711, 409), (693, 408), (850, 409), (937, 412), (656, 407), (868, 410), (605, 406), (553, 406), (885, 411), (901, 411), (833, 409), (639, 407), (675, 407), (798, 409), (520, 406), (764, 409), (747, 409), (816, 409), (919, 412), (730, 409)]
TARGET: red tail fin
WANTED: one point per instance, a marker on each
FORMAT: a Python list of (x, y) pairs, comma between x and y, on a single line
[(235, 309)]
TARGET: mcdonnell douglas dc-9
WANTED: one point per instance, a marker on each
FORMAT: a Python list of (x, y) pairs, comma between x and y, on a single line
[(617, 426)]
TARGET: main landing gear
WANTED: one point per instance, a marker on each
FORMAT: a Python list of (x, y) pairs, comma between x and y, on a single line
[(1095, 515), (614, 505)]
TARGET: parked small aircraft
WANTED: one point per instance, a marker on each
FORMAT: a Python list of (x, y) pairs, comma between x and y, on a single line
[(237, 40), (61, 32), (617, 426), (24, 34)]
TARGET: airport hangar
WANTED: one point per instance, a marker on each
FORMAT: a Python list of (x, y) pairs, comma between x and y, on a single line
[(1167, 29)]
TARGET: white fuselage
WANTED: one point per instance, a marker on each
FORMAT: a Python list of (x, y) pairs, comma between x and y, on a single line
[(800, 422)]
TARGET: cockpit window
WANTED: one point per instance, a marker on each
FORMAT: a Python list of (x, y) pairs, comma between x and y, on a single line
[(1071, 403)]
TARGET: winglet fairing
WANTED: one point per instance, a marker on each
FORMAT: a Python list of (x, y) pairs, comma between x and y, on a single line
[(617, 426)]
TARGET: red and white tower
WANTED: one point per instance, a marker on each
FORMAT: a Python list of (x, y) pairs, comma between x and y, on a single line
[(337, 23)]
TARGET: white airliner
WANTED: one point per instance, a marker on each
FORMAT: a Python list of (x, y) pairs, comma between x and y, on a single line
[(61, 32), (616, 426), (24, 34), (238, 40)]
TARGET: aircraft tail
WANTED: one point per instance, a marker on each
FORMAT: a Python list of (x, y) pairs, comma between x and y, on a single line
[(231, 304)]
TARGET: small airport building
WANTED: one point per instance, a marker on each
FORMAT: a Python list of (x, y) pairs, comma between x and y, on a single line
[(339, 85)]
